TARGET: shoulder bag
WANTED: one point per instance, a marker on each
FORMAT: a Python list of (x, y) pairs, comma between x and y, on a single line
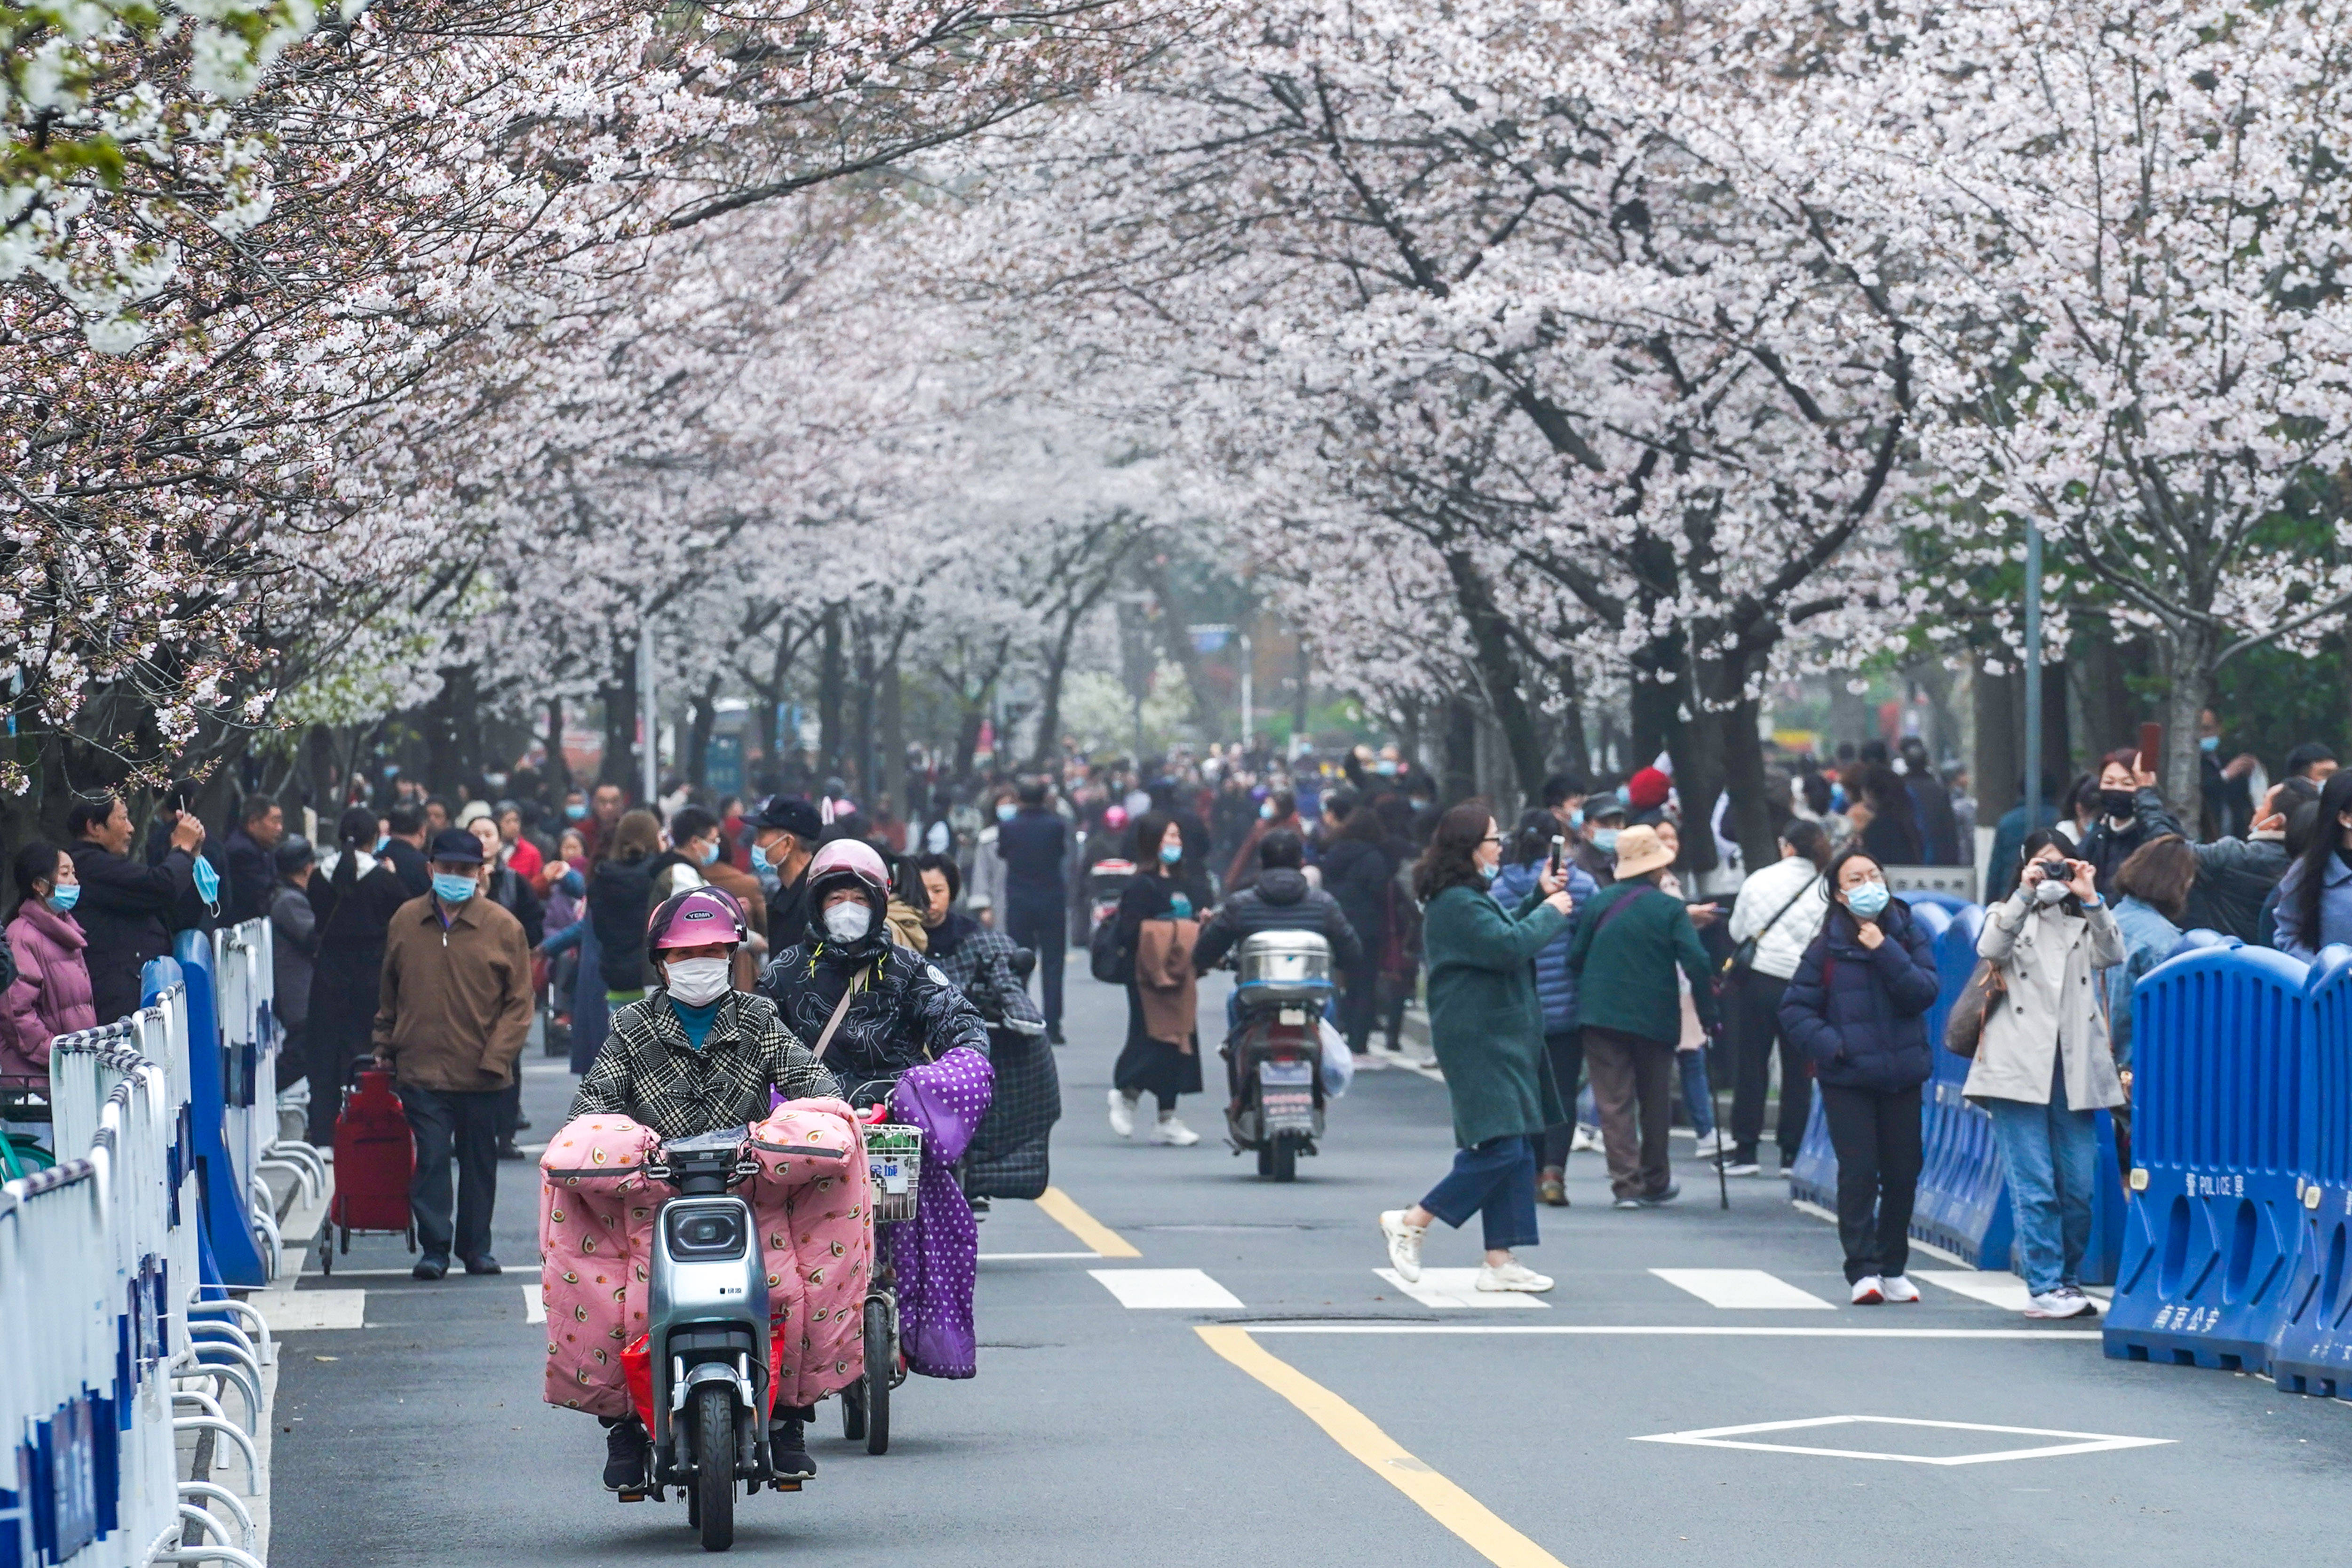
[(1964, 1028), (1743, 957)]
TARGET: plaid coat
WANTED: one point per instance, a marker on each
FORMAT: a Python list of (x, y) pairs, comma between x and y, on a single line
[(649, 1073), (1007, 1157)]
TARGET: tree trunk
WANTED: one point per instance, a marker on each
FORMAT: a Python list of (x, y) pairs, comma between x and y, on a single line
[(868, 782), (704, 712), (1575, 754), (1754, 820), (1176, 640), (1460, 779), (1301, 699), (1656, 704), (890, 771), (2190, 659), (620, 695), (1499, 671), (558, 771), (449, 723), (1997, 770), (830, 678)]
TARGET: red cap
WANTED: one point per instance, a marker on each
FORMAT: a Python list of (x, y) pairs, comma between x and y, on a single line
[(1647, 790)]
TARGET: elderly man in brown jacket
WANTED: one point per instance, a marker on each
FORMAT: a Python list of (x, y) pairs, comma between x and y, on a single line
[(456, 1007)]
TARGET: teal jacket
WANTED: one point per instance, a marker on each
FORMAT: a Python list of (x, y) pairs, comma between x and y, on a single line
[(1625, 973), (1485, 1022)]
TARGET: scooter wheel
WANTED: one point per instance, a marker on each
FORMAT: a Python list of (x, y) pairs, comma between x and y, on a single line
[(713, 1496), (881, 1362), (1286, 1158), (1264, 1159)]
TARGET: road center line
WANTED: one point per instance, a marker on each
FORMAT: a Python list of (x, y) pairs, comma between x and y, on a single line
[(1471, 1520), (1677, 1331), (1057, 1206)]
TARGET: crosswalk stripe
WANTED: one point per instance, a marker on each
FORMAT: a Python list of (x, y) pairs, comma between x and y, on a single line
[(1181, 1288), (1454, 1288), (534, 1310), (1745, 1289)]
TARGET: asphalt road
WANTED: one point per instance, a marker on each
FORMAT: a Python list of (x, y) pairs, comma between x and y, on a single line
[(1331, 1418)]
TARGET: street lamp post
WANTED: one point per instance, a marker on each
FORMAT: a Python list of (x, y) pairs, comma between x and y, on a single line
[(2032, 676), (649, 714)]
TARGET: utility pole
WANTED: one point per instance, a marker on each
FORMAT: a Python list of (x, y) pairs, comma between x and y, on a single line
[(1249, 692), (2032, 676), (648, 715)]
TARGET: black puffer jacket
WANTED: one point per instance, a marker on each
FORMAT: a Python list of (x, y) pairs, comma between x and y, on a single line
[(620, 897), (1861, 1013), (908, 1013), (1356, 873), (1281, 900)]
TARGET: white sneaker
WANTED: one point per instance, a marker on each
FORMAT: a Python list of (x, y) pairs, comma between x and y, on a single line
[(1869, 1291), (1172, 1132), (1404, 1244), (1586, 1140), (2065, 1301), (1896, 1287), (1711, 1145), (1122, 1114), (1512, 1276)]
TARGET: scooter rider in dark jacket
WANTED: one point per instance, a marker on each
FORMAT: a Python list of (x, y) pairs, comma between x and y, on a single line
[(1857, 1005), (1280, 900)]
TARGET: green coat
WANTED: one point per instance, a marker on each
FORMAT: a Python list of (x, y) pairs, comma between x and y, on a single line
[(1485, 1023), (1625, 975)]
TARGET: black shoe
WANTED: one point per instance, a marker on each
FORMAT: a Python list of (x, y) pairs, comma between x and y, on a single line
[(429, 1268), (624, 1456), (788, 1450), (523, 1125), (485, 1264), (1054, 1037), (510, 1149), (1664, 1195), (979, 1206)]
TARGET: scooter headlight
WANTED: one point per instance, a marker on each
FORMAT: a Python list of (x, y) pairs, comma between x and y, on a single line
[(704, 1234)]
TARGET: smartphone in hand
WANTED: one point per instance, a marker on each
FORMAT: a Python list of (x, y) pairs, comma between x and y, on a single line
[(2151, 747), (1558, 852)]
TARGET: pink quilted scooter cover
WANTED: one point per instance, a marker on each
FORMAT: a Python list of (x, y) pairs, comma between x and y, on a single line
[(810, 1201)]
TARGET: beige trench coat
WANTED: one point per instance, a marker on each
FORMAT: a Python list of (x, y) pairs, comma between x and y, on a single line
[(2048, 959)]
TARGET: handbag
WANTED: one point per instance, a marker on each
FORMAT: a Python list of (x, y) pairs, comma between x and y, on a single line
[(1964, 1028), (1743, 957)]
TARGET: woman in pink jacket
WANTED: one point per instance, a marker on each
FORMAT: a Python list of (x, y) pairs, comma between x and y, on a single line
[(51, 995)]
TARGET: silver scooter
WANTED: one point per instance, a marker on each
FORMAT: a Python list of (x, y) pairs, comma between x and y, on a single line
[(707, 1334)]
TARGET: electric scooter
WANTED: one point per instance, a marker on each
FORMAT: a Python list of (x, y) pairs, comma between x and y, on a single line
[(1274, 1053)]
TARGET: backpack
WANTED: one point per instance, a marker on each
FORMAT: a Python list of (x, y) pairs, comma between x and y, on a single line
[(1111, 962)]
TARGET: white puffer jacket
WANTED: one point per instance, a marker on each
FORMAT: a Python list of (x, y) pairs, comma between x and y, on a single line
[(1781, 943)]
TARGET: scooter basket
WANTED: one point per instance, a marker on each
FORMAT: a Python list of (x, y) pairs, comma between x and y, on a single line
[(894, 1158)]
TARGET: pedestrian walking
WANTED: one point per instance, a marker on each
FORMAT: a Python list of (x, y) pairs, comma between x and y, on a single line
[(1691, 1044), (50, 995), (1035, 844), (2043, 1065), (1631, 939), (1777, 913), (452, 1015), (511, 891), (1161, 1056), (1486, 1026), (126, 910), (353, 898), (1358, 872), (1595, 850), (620, 897), (403, 847), (783, 837), (293, 955), (2314, 896), (1891, 832), (1858, 1006), (1525, 860), (1278, 812)]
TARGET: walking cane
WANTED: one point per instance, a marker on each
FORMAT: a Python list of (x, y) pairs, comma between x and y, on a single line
[(1715, 1103)]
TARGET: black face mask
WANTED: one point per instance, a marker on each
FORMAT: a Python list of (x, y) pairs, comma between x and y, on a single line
[(2115, 802)]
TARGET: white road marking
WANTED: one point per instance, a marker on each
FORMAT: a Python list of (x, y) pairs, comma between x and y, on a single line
[(534, 1310), (1030, 1257), (1180, 1289), (1455, 1288), (1742, 1290), (455, 1276), (294, 1312), (2077, 1442), (1678, 1331), (1993, 1287)]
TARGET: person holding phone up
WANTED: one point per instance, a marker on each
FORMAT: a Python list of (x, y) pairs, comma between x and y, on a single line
[(2044, 1065), (2130, 814)]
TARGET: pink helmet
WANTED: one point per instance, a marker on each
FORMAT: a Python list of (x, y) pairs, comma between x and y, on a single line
[(1114, 818), (697, 918), (849, 857)]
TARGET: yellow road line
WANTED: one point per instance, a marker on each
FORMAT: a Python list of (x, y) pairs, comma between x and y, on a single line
[(1106, 1241), (1456, 1509)]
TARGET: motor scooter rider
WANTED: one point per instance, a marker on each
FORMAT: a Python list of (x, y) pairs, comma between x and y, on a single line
[(1280, 900), (693, 1056), (897, 1009)]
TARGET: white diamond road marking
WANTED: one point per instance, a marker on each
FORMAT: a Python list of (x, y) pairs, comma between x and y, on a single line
[(1455, 1288), (1179, 1289), (534, 1308), (298, 1311), (2075, 1443), (1748, 1290)]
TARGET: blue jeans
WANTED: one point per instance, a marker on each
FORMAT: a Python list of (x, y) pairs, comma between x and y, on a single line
[(1496, 1180), (2049, 1154), (1699, 1098)]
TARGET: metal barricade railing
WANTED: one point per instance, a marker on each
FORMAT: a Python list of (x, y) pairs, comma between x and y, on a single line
[(97, 1258)]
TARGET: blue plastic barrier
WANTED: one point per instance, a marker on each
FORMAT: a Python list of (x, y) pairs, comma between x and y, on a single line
[(2219, 1035), (2311, 1350), (225, 1193)]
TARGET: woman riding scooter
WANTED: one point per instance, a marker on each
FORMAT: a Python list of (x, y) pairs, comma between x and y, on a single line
[(694, 1055)]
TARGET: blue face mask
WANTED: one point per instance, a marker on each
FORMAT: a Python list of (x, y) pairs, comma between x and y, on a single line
[(65, 898), (1265, 812), (1605, 840), (1868, 901), (759, 861), (1006, 810), (1575, 819), (1171, 851), (207, 881), (1488, 871), (2209, 742), (708, 855), (452, 889), (575, 813)]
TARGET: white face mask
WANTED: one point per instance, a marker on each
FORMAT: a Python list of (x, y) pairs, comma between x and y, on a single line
[(697, 982), (848, 922)]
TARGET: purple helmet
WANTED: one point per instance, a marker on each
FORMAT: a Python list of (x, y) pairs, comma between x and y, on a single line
[(848, 857), (697, 918)]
